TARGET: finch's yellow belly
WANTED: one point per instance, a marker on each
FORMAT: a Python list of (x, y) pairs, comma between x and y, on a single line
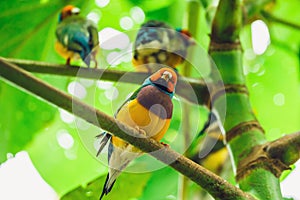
[(136, 115), (65, 53)]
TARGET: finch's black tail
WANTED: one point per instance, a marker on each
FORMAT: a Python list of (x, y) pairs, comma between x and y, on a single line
[(210, 120), (106, 189), (105, 138)]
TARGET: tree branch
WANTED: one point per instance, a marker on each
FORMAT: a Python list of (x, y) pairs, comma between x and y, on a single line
[(216, 186), (286, 149), (274, 156), (193, 90)]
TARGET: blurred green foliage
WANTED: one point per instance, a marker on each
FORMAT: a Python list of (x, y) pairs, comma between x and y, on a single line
[(28, 123)]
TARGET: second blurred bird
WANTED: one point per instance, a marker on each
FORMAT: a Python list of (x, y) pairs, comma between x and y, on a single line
[(157, 43), (77, 37)]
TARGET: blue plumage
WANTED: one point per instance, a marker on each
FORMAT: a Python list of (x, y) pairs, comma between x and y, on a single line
[(77, 37)]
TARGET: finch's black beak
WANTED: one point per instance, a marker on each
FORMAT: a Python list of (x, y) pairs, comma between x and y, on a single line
[(161, 83)]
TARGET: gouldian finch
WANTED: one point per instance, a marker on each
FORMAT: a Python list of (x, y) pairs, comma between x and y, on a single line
[(157, 43), (77, 37), (150, 110)]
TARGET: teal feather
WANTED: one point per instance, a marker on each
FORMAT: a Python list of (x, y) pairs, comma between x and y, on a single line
[(149, 82)]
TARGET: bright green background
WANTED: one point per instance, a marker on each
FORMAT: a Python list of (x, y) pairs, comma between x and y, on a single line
[(28, 123)]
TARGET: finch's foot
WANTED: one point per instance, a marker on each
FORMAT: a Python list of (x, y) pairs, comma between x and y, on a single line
[(68, 63), (96, 64), (165, 144), (141, 131)]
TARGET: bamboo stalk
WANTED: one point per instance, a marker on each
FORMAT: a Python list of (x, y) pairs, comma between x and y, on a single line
[(243, 131), (192, 15), (193, 90)]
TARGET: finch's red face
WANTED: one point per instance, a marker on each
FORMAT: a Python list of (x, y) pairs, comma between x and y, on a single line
[(165, 78)]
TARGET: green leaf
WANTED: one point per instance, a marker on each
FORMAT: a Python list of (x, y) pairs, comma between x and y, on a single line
[(73, 165), (162, 185), (127, 186), (22, 116), (27, 32)]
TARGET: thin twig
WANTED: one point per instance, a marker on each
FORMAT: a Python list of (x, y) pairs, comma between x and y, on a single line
[(216, 186), (193, 90), (273, 18), (252, 7)]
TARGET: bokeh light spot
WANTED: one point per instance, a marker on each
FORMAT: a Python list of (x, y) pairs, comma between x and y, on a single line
[(102, 3), (279, 99), (112, 93), (71, 155), (137, 14), (66, 116), (260, 37), (113, 39), (126, 23), (64, 139), (86, 82), (94, 16), (77, 90), (114, 58), (104, 85)]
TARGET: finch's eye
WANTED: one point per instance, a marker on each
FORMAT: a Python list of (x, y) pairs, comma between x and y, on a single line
[(166, 73)]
